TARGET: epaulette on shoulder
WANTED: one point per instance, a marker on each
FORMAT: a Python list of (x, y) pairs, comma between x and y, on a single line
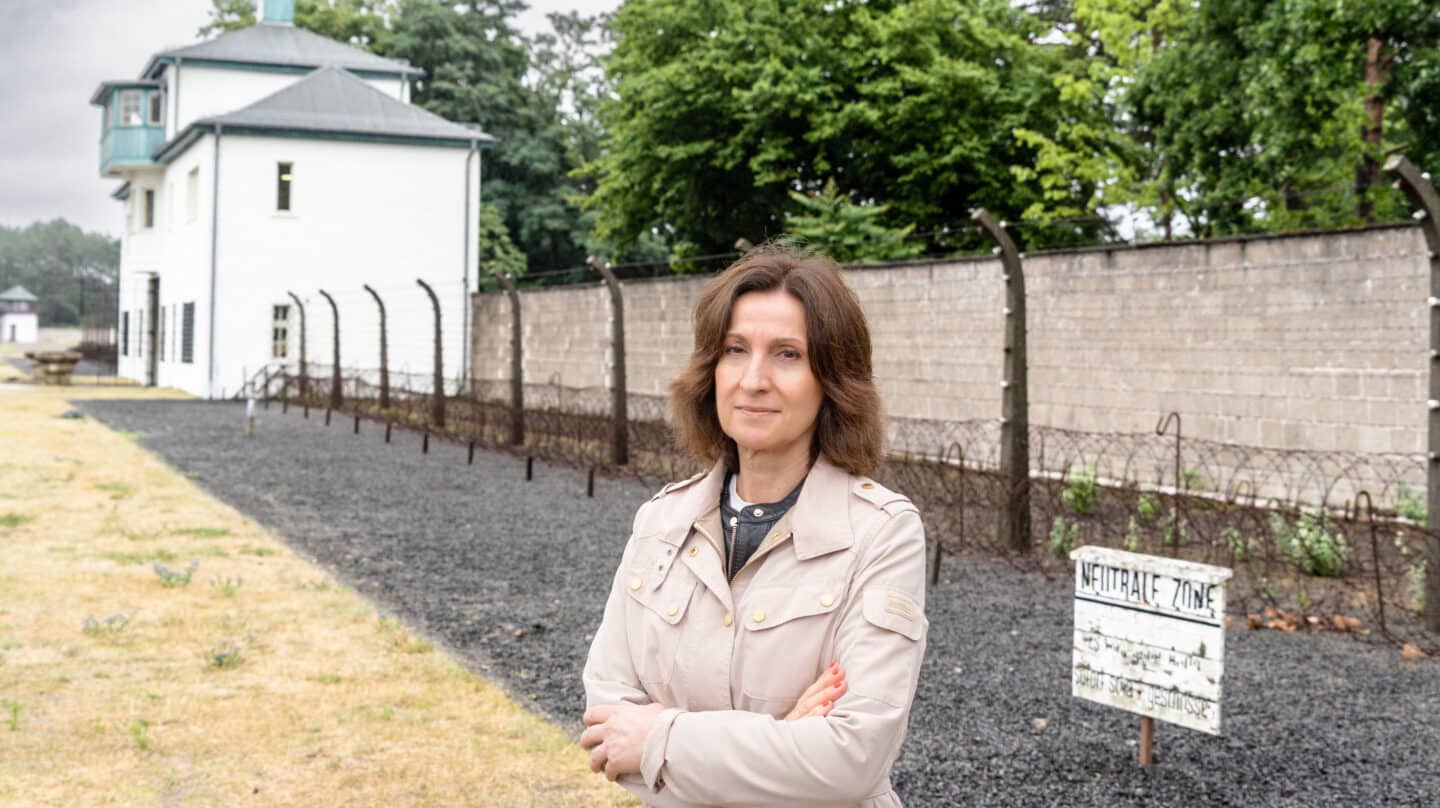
[(678, 485), (891, 502)]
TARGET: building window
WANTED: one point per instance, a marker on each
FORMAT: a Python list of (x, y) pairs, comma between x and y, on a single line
[(282, 186), (140, 333), (124, 333), (280, 333), (174, 333), (192, 194), (149, 212), (157, 108), (187, 334), (160, 336), (130, 108)]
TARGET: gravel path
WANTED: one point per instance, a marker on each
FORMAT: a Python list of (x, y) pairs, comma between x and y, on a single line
[(512, 576)]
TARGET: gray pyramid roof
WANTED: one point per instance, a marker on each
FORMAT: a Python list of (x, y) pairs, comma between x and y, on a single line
[(285, 45), (18, 293), (337, 101)]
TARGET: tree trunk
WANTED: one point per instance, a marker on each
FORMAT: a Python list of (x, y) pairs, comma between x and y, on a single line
[(1367, 174)]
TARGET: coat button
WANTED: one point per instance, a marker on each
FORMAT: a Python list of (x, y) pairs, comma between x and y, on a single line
[(827, 600), (635, 582), (672, 610), (867, 485), (758, 616), (729, 621), (694, 548)]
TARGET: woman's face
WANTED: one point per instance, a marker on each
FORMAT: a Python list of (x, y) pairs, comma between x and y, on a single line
[(765, 393)]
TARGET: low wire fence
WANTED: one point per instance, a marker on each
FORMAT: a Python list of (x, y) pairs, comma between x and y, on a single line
[(1317, 540)]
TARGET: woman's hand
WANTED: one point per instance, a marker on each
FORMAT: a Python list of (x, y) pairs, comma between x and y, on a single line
[(615, 735), (819, 698)]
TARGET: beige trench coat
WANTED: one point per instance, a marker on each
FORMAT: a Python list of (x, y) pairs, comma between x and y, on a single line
[(841, 577)]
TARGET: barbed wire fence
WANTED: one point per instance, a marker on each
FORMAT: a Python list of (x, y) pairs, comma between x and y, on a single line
[(1343, 541)]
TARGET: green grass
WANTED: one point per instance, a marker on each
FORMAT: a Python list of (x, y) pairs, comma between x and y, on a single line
[(138, 558), (257, 551), (207, 550), (201, 532), (14, 519), (117, 490)]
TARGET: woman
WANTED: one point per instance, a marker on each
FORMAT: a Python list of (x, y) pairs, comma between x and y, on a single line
[(763, 637)]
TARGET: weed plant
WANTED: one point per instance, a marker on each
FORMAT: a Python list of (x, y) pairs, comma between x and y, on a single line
[(140, 734), (1415, 583), (110, 627), (1080, 494), (1062, 537), (170, 578), (1147, 506), (1132, 535), (224, 655), (1310, 545), (1409, 504), (1241, 548), (226, 586), (1174, 529)]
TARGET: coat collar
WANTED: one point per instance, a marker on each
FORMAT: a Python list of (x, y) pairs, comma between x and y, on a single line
[(819, 521)]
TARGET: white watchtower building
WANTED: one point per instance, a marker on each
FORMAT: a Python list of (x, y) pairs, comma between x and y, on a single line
[(271, 161)]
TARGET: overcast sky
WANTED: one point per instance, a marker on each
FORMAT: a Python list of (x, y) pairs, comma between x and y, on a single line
[(59, 51)]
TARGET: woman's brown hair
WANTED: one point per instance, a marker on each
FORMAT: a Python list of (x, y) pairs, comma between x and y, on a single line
[(849, 429)]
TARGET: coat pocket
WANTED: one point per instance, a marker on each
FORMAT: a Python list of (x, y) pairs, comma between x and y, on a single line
[(655, 623), (786, 628)]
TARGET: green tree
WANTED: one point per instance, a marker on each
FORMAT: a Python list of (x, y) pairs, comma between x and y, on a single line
[(847, 231), (359, 22), (476, 65), (537, 98), (724, 107), (497, 251), (71, 271), (1271, 115)]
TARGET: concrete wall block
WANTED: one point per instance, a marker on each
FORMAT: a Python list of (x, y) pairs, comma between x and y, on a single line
[(1243, 337)]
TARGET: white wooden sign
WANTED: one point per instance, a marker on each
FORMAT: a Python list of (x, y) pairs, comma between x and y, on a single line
[(1150, 635)]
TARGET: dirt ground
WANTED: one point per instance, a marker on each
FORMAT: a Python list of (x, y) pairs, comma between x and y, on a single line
[(157, 647)]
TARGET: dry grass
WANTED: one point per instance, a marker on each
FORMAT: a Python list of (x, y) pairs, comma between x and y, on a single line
[(328, 702)]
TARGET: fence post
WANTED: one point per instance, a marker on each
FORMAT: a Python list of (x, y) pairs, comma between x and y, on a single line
[(1161, 427), (384, 354), (335, 395), (304, 378), (437, 397), (517, 379), (620, 421), (1015, 400), (1422, 197)]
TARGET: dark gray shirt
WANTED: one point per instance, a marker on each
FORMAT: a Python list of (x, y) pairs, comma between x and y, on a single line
[(746, 528)]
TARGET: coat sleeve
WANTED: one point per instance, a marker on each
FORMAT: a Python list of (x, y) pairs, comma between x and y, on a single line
[(609, 674), (732, 757)]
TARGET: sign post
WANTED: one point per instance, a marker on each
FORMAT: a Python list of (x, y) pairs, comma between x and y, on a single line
[(1150, 638)]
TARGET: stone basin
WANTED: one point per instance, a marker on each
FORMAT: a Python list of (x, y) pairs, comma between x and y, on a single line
[(53, 367)]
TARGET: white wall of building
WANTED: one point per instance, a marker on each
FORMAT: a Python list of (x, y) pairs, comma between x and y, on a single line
[(377, 213), (177, 251), (21, 327), (208, 91)]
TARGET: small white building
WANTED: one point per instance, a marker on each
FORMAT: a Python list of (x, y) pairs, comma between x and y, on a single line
[(264, 166), (19, 316)]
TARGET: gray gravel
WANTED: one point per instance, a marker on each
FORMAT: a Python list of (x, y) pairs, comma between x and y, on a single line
[(473, 555)]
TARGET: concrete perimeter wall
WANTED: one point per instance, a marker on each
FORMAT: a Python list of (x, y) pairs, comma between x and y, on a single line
[(1315, 342)]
